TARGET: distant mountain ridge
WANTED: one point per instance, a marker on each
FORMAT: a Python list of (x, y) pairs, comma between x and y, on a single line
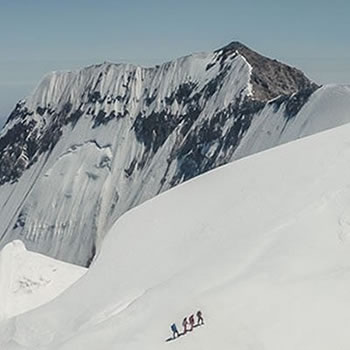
[(89, 145)]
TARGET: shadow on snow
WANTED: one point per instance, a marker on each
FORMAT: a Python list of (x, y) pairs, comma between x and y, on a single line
[(182, 334)]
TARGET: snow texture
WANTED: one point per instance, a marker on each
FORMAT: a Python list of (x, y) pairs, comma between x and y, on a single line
[(28, 280), (261, 246)]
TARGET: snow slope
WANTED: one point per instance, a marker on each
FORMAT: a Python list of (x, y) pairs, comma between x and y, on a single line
[(28, 280), (261, 246)]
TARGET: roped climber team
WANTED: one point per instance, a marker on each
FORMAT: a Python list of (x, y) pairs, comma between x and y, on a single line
[(188, 324)]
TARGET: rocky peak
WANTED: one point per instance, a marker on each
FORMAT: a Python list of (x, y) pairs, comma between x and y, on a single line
[(270, 78)]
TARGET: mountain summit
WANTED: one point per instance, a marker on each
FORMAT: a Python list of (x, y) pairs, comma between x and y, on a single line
[(87, 146), (269, 78)]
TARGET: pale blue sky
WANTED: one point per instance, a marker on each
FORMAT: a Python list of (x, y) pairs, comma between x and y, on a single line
[(38, 36)]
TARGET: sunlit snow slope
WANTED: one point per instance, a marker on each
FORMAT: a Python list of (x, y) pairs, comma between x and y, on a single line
[(261, 246), (28, 280)]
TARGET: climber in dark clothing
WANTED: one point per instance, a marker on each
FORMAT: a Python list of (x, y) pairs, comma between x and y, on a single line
[(184, 325), (174, 330), (200, 319), (191, 319)]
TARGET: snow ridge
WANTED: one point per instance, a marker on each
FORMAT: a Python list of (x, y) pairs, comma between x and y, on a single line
[(264, 259)]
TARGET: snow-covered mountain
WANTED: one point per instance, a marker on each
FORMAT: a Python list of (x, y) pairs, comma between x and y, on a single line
[(28, 280), (89, 145), (261, 246)]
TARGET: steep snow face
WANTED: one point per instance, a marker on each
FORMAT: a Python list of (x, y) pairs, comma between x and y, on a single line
[(91, 138), (106, 138), (28, 280), (261, 246)]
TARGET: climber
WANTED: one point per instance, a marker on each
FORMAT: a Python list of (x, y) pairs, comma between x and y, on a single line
[(184, 324), (191, 320), (174, 330), (200, 319)]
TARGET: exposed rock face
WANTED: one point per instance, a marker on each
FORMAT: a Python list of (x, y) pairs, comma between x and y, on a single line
[(270, 78), (87, 146)]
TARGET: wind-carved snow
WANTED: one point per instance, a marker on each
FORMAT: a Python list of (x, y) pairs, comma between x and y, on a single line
[(106, 138), (28, 280), (256, 245)]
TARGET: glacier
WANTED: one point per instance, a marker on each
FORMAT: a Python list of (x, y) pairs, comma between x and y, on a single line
[(89, 145), (261, 246)]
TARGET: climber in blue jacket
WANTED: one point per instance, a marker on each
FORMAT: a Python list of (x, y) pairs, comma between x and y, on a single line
[(174, 330)]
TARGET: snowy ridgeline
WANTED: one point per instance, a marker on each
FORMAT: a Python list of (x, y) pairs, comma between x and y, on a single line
[(261, 246), (28, 280), (108, 137)]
